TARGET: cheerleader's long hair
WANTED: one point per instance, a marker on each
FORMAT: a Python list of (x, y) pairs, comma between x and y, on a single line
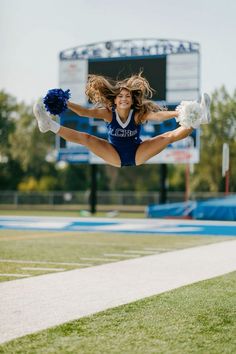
[(102, 92)]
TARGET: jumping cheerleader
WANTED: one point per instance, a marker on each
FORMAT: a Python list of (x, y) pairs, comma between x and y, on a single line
[(124, 106)]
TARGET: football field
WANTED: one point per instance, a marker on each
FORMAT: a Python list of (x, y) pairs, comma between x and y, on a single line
[(33, 248)]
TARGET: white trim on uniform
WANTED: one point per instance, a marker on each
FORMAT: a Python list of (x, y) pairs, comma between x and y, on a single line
[(124, 125)]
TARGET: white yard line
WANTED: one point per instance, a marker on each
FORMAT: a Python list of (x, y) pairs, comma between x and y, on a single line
[(158, 249), (139, 251), (121, 255), (40, 268), (42, 262), (36, 303), (97, 259), (14, 275)]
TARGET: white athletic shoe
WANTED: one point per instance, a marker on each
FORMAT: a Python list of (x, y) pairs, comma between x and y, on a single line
[(43, 119), (205, 106)]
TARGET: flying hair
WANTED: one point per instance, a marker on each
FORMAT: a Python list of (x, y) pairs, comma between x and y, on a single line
[(102, 91)]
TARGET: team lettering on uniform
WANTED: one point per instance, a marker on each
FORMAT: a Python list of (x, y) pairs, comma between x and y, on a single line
[(122, 133)]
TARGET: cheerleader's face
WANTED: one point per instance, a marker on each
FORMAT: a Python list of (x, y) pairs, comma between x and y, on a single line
[(124, 100)]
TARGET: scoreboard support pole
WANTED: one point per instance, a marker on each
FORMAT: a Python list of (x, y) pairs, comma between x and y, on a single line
[(225, 166), (93, 191), (163, 183)]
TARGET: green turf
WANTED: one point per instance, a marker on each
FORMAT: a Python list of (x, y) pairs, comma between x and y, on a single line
[(199, 318), (73, 247)]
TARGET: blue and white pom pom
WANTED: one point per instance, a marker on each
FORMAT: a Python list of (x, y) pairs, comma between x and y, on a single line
[(189, 114), (55, 101)]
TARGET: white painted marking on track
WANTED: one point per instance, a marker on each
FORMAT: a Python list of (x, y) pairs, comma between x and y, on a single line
[(35, 225), (163, 227), (121, 227), (180, 229)]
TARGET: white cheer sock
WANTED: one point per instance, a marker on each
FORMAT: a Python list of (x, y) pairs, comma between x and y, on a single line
[(54, 126)]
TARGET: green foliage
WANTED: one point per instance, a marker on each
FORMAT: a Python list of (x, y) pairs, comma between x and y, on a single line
[(74, 178), (11, 174), (47, 183), (23, 149), (29, 184), (138, 178), (176, 177), (8, 113), (10, 170), (28, 145)]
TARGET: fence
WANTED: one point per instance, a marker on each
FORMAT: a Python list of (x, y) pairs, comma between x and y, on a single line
[(105, 199)]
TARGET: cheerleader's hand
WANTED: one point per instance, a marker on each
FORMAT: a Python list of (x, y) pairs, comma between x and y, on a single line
[(55, 101)]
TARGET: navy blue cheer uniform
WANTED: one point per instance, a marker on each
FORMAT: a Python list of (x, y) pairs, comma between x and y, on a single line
[(125, 137)]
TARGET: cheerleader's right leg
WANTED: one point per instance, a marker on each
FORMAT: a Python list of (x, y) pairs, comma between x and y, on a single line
[(100, 147)]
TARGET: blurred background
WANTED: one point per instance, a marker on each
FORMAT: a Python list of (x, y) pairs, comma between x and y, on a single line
[(32, 34)]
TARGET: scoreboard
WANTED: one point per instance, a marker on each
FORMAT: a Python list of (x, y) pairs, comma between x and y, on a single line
[(153, 68), (172, 69)]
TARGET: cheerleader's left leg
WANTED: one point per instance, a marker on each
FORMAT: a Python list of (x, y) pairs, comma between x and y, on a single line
[(155, 145), (191, 115)]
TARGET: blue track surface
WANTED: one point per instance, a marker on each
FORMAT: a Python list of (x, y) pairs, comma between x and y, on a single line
[(140, 226)]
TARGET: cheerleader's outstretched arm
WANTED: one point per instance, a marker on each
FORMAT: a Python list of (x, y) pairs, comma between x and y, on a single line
[(101, 113), (161, 116)]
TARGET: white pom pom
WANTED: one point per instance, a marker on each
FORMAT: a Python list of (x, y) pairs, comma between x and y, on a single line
[(189, 114)]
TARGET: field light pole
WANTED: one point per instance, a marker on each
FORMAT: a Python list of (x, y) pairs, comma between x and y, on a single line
[(187, 182), (225, 166), (163, 183), (93, 191)]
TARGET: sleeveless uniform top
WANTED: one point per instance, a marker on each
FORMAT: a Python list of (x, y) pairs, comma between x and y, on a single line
[(125, 137), (120, 134)]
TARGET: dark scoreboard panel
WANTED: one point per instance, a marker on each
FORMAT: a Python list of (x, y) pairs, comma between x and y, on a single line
[(153, 68)]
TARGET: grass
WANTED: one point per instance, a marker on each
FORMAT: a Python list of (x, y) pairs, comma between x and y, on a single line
[(73, 248), (199, 318)]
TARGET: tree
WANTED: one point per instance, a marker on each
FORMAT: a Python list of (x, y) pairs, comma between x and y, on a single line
[(10, 170), (74, 177), (8, 113), (23, 149), (28, 145)]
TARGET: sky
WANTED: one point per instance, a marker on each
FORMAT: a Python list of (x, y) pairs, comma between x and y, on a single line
[(32, 33)]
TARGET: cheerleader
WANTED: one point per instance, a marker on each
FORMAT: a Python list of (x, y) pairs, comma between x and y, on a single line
[(124, 106)]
